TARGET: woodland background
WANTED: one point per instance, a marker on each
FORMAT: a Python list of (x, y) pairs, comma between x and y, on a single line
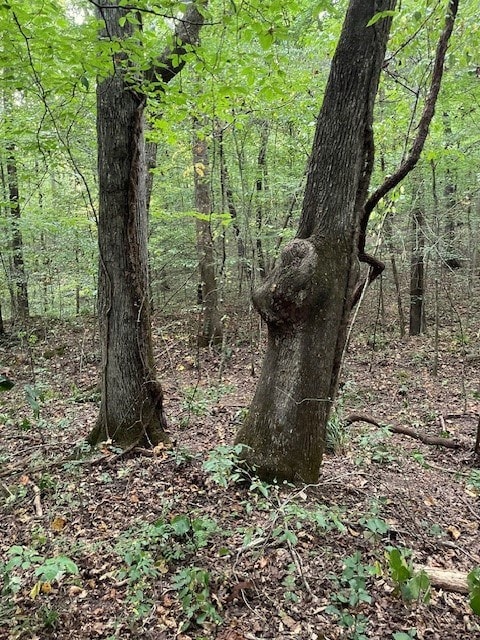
[(176, 543)]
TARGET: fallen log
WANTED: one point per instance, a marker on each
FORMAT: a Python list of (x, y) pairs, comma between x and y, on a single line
[(406, 431), (445, 578)]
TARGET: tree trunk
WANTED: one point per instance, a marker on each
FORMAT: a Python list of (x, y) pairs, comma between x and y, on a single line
[(228, 202), (211, 328), (260, 188), (131, 410), (307, 298), (417, 274), (22, 312)]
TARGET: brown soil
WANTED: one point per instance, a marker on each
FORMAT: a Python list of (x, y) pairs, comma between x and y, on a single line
[(276, 555)]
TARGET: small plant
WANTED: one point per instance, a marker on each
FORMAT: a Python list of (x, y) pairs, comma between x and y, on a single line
[(351, 595), (147, 551), (336, 434), (473, 580), (374, 526), (223, 464), (289, 582), (410, 584), (193, 587), (411, 634), (47, 570)]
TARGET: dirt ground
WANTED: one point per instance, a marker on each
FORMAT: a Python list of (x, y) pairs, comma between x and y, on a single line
[(171, 544)]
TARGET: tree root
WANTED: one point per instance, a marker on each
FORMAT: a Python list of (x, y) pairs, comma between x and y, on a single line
[(406, 431)]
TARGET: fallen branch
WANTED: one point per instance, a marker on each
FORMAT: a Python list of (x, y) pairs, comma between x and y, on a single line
[(37, 502), (406, 431), (445, 578)]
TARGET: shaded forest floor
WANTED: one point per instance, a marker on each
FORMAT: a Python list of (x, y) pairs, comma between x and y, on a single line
[(171, 544)]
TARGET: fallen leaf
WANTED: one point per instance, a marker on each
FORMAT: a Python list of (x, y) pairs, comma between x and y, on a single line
[(58, 523), (237, 589), (454, 532)]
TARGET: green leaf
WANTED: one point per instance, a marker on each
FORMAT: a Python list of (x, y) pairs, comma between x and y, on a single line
[(398, 567), (473, 580), (379, 16), (180, 525), (5, 383)]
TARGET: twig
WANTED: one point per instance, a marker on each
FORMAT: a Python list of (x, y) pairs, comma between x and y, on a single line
[(298, 563), (37, 500)]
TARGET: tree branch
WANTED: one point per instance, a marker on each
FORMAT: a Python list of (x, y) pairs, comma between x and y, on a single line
[(187, 31), (427, 116)]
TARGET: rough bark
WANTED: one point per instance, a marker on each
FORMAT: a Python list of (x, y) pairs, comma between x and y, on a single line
[(228, 201), (260, 189), (19, 276), (131, 410), (210, 330), (417, 274), (306, 299)]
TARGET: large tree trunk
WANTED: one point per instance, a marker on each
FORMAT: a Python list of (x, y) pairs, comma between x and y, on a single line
[(210, 330), (307, 298), (131, 410), (131, 404)]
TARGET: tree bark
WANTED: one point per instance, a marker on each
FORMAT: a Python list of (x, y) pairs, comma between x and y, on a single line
[(306, 299), (260, 189), (417, 274), (210, 331), (21, 309), (131, 410)]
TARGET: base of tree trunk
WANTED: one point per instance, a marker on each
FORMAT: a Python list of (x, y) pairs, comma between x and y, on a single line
[(147, 428)]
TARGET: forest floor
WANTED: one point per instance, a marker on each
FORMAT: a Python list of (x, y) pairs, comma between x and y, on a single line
[(174, 544)]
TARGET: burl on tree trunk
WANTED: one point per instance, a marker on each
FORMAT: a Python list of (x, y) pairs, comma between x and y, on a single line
[(306, 300)]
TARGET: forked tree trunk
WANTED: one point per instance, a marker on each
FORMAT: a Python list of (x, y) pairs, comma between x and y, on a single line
[(307, 298), (210, 330), (131, 410), (131, 405)]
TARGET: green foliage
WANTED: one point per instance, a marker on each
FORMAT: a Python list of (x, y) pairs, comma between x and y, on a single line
[(352, 592), (193, 589), (337, 434), (473, 580), (410, 584), (223, 465), (380, 16), (35, 397), (24, 559), (148, 550)]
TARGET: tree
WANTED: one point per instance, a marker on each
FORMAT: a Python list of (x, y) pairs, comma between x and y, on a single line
[(210, 330), (131, 410), (21, 306), (306, 300)]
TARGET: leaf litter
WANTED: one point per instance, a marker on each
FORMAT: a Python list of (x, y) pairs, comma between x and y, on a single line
[(178, 543)]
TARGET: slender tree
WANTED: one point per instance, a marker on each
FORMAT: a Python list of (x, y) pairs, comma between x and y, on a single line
[(21, 309), (210, 330)]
